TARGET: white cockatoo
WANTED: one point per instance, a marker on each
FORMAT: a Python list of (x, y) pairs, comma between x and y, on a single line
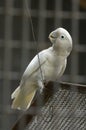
[(47, 65)]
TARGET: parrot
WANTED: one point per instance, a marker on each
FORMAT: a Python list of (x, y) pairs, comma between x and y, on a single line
[(48, 65)]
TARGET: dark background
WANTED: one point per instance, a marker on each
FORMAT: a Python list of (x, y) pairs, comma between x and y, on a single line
[(18, 47)]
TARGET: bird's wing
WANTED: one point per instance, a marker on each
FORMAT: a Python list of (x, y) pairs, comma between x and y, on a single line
[(37, 62), (25, 93)]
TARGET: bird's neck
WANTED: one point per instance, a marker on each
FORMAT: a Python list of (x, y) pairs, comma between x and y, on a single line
[(60, 51)]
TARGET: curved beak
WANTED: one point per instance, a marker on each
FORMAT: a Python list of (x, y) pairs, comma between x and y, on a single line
[(52, 36)]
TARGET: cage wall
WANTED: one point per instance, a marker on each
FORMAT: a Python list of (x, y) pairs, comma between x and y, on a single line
[(18, 47)]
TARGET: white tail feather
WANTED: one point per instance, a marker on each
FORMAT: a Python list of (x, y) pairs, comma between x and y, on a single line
[(15, 93), (22, 100)]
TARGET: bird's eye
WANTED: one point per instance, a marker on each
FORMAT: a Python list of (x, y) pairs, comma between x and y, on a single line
[(62, 36)]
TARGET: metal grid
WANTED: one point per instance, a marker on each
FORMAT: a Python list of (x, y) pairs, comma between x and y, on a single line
[(17, 46), (65, 110)]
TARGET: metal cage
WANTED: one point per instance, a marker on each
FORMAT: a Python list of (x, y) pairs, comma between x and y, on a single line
[(63, 107), (17, 48)]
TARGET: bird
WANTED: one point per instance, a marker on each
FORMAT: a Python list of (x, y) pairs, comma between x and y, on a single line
[(48, 65)]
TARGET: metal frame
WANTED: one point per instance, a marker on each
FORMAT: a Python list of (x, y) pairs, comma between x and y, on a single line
[(44, 21)]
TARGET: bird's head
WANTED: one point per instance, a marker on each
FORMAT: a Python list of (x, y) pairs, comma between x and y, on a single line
[(62, 41)]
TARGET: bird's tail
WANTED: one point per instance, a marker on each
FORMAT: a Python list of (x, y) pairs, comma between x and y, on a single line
[(22, 98)]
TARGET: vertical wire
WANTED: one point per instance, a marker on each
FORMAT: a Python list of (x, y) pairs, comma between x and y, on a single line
[(33, 33), (6, 67), (75, 27)]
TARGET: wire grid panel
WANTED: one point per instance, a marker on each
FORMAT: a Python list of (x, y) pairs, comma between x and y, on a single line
[(66, 110), (17, 46)]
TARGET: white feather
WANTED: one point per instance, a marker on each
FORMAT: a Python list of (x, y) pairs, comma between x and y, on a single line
[(52, 63)]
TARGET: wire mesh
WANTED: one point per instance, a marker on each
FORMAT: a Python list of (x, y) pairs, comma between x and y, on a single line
[(65, 110), (17, 43)]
